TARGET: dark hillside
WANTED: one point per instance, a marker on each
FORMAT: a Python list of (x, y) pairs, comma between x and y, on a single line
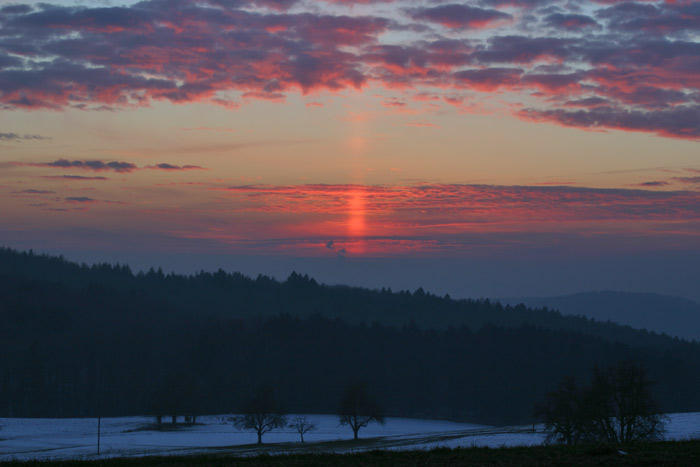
[(233, 295), (80, 337)]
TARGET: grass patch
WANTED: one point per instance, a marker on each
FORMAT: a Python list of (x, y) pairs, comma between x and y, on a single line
[(664, 453)]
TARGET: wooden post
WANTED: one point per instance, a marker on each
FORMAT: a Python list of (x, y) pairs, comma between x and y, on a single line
[(99, 427)]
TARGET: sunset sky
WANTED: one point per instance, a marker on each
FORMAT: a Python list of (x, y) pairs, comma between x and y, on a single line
[(480, 148)]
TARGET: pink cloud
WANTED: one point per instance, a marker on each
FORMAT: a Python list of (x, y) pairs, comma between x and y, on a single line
[(631, 66)]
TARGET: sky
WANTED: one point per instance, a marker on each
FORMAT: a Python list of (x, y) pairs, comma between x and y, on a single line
[(496, 148)]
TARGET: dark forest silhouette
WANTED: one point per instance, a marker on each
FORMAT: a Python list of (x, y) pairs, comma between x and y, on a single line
[(74, 338)]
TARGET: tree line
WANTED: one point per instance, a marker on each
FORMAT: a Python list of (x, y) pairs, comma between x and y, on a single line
[(69, 345), (234, 295), (128, 367)]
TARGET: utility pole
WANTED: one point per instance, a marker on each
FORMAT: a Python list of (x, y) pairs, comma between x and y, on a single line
[(99, 407), (99, 426)]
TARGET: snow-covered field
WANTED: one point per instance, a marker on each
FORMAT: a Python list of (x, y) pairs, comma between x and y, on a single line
[(26, 439)]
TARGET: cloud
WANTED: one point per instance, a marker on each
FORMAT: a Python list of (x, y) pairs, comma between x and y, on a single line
[(488, 79), (571, 21), (460, 16), (516, 3), (653, 19), (94, 165), (171, 167), (422, 125), (688, 180), (24, 137), (99, 166), (587, 102), (394, 103), (437, 219), (679, 122), (75, 177), (440, 204), (34, 192), (80, 199), (632, 66)]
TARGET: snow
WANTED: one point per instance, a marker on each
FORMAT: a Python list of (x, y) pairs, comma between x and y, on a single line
[(682, 426), (29, 439)]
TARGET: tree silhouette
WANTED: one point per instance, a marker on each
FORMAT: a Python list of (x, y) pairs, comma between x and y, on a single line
[(175, 395), (562, 413), (617, 407), (302, 425), (620, 406), (358, 408), (261, 413)]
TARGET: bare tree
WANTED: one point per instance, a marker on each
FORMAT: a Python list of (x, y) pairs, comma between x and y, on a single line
[(620, 407), (261, 413), (302, 425), (358, 408), (561, 413), (617, 407)]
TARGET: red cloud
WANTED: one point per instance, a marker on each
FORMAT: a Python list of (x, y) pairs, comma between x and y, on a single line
[(388, 220), (472, 203)]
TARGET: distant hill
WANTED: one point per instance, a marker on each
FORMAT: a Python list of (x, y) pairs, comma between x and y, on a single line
[(674, 316)]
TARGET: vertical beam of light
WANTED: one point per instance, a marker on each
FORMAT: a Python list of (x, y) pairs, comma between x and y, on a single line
[(357, 224), (357, 144)]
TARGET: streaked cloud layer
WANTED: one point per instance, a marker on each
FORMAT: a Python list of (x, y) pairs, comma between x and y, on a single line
[(428, 218), (425, 219), (599, 65)]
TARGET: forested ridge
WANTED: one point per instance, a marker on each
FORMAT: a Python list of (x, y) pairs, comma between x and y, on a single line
[(76, 339)]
